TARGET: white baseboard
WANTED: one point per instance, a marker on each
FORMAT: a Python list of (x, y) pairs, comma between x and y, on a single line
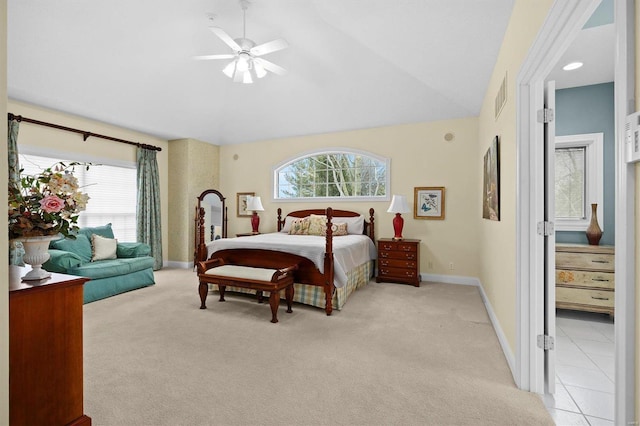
[(178, 265), (504, 343)]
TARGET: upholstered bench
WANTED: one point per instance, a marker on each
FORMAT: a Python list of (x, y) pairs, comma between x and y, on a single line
[(215, 271)]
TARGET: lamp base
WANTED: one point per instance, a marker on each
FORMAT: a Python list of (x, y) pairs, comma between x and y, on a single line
[(398, 223), (255, 222)]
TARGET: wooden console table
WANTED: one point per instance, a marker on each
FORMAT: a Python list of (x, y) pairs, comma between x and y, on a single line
[(45, 350)]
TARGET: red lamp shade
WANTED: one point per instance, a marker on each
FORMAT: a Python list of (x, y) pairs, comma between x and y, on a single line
[(398, 205)]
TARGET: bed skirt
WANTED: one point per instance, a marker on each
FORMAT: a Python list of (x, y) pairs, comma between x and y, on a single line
[(313, 295)]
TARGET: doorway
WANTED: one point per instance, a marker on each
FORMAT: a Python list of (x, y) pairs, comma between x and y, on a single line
[(565, 20)]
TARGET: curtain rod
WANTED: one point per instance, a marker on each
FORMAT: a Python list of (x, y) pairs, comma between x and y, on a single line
[(85, 135)]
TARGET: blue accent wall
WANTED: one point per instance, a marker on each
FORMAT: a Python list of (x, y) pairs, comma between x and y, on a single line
[(589, 109), (603, 15)]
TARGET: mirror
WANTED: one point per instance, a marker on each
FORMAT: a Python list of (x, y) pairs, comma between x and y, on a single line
[(210, 222)]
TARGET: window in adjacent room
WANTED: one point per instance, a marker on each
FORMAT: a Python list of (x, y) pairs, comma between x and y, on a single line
[(112, 191), (342, 173), (578, 180)]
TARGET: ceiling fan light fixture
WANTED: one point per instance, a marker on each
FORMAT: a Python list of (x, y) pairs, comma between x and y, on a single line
[(247, 77), (230, 69)]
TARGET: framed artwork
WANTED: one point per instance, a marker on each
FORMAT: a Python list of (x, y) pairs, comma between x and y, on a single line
[(428, 202), (491, 183), (241, 203)]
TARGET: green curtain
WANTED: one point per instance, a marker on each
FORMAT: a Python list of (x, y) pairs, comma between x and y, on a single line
[(15, 248), (149, 229)]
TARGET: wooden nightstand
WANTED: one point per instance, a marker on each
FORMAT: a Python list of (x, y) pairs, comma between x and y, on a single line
[(399, 261)]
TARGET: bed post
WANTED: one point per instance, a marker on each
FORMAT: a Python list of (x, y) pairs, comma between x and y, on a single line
[(372, 232), (328, 265), (279, 219)]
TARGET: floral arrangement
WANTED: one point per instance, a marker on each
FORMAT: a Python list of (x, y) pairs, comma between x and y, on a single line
[(47, 203)]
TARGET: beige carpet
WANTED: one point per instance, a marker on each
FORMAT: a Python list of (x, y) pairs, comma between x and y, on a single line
[(395, 355)]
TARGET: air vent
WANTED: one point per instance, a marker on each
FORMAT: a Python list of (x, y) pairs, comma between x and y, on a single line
[(501, 97)]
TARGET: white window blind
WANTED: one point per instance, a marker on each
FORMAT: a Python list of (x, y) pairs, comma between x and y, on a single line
[(112, 191)]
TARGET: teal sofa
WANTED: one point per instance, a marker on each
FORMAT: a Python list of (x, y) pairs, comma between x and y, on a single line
[(132, 269)]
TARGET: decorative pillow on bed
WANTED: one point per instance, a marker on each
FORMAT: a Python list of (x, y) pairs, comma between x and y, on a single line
[(103, 248), (355, 225), (299, 226), (339, 229), (287, 223), (317, 225)]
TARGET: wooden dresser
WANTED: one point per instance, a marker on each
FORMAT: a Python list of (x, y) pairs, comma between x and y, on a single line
[(45, 350), (585, 279), (399, 261)]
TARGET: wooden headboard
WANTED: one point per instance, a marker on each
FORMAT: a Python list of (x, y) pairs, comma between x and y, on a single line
[(331, 213)]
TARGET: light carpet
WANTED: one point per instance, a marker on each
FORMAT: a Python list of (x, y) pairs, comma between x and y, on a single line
[(395, 355)]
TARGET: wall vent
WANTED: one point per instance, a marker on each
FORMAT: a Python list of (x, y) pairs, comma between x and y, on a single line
[(501, 97)]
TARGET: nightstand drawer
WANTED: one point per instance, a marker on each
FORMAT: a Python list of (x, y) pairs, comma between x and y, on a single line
[(398, 263), (398, 246), (398, 255), (397, 273), (588, 261), (579, 296), (568, 278)]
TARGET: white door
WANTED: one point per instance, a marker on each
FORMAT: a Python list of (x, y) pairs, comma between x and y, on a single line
[(549, 238)]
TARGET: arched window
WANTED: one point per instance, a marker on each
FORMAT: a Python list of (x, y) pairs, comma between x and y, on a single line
[(329, 174)]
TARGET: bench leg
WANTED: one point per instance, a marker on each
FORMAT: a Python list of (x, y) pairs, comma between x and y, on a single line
[(203, 289), (221, 288), (288, 293), (260, 297), (274, 302)]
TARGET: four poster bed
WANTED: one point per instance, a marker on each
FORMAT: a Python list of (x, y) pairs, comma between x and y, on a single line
[(335, 253)]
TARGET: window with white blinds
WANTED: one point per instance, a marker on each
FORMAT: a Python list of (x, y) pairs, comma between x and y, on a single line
[(112, 191)]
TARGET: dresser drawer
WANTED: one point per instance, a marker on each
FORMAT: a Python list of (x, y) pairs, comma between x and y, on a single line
[(398, 263), (397, 246), (569, 278), (587, 261), (579, 296), (408, 255), (410, 274)]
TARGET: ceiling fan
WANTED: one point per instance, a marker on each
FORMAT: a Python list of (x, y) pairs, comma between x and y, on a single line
[(246, 61)]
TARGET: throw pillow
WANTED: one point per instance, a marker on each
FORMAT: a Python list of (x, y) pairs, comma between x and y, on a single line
[(355, 224), (80, 246), (339, 229), (103, 248), (300, 226), (317, 225)]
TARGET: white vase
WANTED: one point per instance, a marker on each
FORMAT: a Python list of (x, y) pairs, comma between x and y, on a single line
[(36, 252)]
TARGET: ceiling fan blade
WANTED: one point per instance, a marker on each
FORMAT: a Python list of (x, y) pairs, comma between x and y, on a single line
[(270, 66), (226, 38), (205, 57), (268, 47)]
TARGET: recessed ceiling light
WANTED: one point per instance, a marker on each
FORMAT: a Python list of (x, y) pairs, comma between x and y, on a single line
[(572, 66)]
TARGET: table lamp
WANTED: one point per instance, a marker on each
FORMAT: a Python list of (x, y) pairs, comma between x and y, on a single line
[(398, 205), (254, 204)]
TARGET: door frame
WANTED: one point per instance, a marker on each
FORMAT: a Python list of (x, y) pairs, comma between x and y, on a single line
[(565, 19)]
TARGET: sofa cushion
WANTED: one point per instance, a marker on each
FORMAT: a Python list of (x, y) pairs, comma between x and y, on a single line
[(112, 268), (133, 250), (79, 246), (103, 248), (60, 261), (103, 231)]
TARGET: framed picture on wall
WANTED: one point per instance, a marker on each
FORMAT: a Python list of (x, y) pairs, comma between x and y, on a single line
[(491, 182), (241, 203), (428, 202)]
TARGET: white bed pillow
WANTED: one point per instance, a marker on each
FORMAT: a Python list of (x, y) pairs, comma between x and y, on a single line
[(355, 225), (287, 223)]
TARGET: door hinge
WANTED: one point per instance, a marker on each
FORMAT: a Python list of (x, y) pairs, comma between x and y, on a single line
[(545, 115), (545, 228), (546, 342)]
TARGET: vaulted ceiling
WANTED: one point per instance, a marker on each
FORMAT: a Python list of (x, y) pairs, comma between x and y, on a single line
[(351, 63)]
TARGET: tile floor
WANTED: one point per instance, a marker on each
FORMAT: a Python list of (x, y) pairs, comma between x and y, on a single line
[(584, 369)]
